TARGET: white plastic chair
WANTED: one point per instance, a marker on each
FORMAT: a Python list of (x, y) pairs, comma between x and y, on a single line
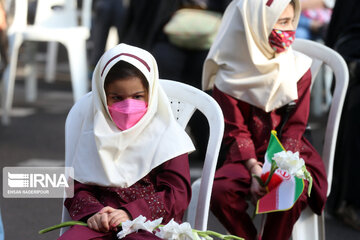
[(310, 225), (52, 47), (185, 100), (52, 24)]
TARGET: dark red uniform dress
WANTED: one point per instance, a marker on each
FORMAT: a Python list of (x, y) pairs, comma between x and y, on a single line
[(247, 134), (164, 192)]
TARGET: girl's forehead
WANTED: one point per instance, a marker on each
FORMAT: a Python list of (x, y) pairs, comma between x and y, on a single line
[(287, 14), (133, 82)]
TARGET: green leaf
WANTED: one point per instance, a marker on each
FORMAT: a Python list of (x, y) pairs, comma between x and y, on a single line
[(310, 179)]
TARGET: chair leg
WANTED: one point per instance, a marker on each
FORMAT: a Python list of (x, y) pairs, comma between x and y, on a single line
[(78, 68), (316, 93), (31, 71), (328, 77), (31, 82), (65, 217), (51, 60), (9, 78), (307, 226), (112, 39), (322, 226), (191, 211)]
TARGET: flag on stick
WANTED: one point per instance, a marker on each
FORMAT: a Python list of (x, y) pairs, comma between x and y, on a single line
[(283, 188)]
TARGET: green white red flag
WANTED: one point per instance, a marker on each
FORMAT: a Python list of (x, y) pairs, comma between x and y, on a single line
[(283, 188)]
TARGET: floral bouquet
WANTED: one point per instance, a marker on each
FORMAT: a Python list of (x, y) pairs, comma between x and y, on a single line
[(283, 176), (170, 231)]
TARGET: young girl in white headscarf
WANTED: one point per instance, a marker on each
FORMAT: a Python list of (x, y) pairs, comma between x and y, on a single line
[(129, 154), (256, 77)]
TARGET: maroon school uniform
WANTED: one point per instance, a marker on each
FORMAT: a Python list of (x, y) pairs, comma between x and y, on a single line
[(165, 192), (247, 134)]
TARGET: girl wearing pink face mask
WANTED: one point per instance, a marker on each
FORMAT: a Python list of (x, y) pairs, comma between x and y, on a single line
[(261, 84), (129, 154), (126, 91)]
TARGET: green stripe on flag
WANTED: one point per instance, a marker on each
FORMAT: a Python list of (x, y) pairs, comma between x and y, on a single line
[(299, 187), (274, 146)]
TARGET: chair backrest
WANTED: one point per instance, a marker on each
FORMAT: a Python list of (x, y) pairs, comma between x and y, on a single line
[(56, 13), (324, 55), (53, 13), (63, 13), (19, 20), (184, 100), (86, 13)]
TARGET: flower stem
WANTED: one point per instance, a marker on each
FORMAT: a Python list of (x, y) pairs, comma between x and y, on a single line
[(273, 169), (259, 180), (158, 226), (200, 233), (61, 225), (215, 234)]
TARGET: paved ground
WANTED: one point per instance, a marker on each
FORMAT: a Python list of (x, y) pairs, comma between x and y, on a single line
[(36, 138)]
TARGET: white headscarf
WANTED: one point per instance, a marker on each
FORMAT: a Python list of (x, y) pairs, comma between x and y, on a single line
[(102, 154), (242, 63)]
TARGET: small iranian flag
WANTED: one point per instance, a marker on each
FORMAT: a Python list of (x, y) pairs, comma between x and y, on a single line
[(283, 189)]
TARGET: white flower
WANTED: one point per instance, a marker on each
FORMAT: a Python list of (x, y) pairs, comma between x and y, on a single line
[(175, 231), (291, 162), (137, 224), (294, 165)]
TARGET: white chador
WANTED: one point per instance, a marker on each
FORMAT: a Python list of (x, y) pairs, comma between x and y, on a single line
[(102, 154), (241, 62)]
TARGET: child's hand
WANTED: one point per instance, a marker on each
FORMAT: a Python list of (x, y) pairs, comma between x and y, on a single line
[(106, 219), (256, 190), (99, 222), (115, 216)]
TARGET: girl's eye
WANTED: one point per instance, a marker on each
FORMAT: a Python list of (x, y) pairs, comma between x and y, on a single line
[(117, 98), (138, 97)]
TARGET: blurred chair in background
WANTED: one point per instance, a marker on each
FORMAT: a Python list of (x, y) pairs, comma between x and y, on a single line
[(55, 21), (3, 39)]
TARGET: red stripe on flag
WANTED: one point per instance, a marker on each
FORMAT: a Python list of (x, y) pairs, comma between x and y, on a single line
[(269, 202)]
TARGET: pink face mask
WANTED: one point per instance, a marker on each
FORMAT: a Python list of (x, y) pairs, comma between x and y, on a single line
[(127, 113), (281, 40)]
